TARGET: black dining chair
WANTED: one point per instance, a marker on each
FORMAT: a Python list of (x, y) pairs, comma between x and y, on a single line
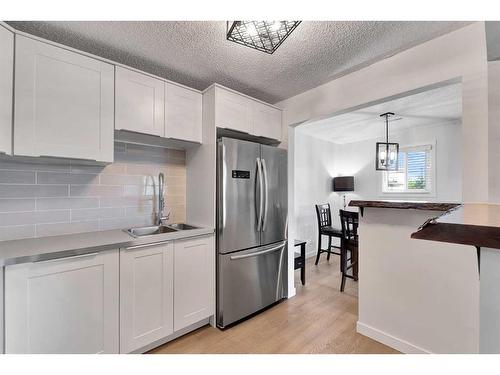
[(325, 228), (349, 246)]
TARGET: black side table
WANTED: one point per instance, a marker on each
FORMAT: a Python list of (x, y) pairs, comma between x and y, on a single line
[(300, 260)]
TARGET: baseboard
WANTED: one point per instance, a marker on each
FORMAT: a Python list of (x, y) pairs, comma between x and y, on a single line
[(389, 340), (173, 336)]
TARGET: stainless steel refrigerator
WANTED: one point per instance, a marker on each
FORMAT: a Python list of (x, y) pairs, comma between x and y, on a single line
[(251, 228)]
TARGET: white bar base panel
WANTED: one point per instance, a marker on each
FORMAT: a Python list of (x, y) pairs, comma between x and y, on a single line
[(489, 332), (391, 341)]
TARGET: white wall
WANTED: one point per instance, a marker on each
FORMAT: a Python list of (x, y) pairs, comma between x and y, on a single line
[(314, 168), (358, 159), (317, 161), (457, 55), (494, 130)]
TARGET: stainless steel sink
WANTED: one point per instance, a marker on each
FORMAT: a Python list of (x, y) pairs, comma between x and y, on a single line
[(149, 231), (182, 226)]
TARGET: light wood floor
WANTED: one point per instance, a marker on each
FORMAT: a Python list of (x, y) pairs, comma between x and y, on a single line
[(319, 319)]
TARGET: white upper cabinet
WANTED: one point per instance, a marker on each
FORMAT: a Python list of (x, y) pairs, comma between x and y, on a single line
[(146, 295), (64, 103), (194, 280), (233, 111), (266, 121), (67, 305), (183, 113), (6, 91), (238, 112), (140, 103)]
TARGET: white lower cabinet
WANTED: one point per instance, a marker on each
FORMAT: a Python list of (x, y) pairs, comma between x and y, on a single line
[(146, 295), (66, 305), (194, 276), (113, 301)]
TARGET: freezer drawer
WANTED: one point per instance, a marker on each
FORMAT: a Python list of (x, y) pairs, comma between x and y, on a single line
[(250, 280)]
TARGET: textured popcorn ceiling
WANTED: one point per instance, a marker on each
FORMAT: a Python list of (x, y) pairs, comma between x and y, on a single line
[(432, 107), (197, 54)]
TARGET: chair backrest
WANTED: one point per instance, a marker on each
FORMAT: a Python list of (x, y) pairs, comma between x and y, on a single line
[(324, 215), (349, 221)]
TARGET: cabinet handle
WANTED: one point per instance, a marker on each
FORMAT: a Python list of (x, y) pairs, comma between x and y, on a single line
[(147, 245), (68, 257)]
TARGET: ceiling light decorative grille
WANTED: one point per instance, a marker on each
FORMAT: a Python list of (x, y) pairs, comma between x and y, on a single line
[(265, 36)]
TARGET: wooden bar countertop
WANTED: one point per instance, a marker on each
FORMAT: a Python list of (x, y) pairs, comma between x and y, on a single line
[(469, 224), (407, 205)]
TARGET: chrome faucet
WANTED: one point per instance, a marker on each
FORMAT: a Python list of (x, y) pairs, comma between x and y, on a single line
[(161, 201)]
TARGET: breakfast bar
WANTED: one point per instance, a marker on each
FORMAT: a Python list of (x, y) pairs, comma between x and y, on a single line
[(476, 225), (415, 296)]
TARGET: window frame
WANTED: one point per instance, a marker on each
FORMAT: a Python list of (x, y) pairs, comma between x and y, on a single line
[(417, 193)]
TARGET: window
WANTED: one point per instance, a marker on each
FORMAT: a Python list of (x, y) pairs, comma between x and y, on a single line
[(415, 171)]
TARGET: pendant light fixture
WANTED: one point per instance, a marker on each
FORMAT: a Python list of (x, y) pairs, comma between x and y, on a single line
[(265, 36), (387, 153)]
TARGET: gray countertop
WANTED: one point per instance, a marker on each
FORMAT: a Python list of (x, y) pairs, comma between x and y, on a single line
[(38, 249)]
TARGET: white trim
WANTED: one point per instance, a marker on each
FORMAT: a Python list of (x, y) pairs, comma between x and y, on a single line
[(171, 337), (432, 193), (389, 340)]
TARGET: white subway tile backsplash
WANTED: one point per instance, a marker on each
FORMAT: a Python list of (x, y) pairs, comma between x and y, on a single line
[(95, 190), (43, 230), (97, 213), (113, 179), (45, 197), (125, 201), (55, 178), (12, 205), (126, 222), (33, 191), (17, 177), (16, 232), (35, 217), (63, 203)]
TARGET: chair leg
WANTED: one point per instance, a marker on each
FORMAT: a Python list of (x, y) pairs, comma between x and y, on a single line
[(319, 249), (343, 265), (329, 247)]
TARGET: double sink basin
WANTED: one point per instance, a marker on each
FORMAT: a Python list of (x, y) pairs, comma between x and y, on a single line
[(159, 229)]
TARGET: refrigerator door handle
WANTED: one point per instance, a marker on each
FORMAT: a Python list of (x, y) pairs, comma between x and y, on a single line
[(222, 216), (236, 257), (261, 195), (264, 219)]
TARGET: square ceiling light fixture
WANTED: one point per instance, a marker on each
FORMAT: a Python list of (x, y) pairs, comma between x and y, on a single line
[(265, 36)]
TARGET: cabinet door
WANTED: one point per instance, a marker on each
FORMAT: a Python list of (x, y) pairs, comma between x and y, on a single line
[(194, 296), (183, 113), (266, 121), (64, 103), (6, 93), (140, 103), (146, 295), (68, 305), (232, 111)]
